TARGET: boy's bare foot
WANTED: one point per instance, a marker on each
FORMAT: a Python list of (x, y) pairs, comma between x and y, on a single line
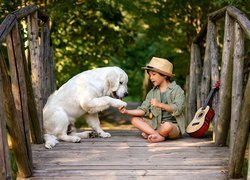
[(144, 135), (153, 138)]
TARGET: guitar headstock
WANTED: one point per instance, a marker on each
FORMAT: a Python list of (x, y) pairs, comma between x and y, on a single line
[(217, 85)]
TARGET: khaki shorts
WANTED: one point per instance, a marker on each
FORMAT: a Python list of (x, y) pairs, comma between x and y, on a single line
[(175, 133)]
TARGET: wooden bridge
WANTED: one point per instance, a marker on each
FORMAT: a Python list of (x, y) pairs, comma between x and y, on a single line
[(27, 79), (126, 155)]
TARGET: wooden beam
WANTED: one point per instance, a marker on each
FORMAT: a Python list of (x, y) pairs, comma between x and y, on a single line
[(25, 11), (5, 165), (241, 19), (237, 82), (206, 74), (238, 150), (226, 84), (216, 15), (18, 88), (215, 75), (45, 62), (6, 26), (36, 74), (191, 105)]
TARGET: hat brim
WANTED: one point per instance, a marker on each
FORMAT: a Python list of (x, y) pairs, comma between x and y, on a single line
[(158, 70)]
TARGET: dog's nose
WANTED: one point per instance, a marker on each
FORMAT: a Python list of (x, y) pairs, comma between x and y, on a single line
[(125, 94)]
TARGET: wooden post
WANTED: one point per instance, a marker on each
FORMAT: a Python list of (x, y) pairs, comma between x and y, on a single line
[(206, 74), (238, 63), (19, 91), (238, 149), (226, 84), (191, 105), (36, 64), (215, 75), (52, 69), (47, 63), (248, 172), (198, 74), (5, 167)]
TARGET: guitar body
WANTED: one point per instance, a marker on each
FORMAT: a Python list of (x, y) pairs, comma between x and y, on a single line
[(200, 123)]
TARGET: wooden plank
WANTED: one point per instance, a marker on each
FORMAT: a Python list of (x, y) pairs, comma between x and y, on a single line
[(54, 167), (150, 174), (127, 155)]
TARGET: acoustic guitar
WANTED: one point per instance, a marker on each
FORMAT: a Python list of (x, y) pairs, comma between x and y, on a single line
[(202, 118)]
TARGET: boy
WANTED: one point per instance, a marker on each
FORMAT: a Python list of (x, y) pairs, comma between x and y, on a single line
[(161, 115)]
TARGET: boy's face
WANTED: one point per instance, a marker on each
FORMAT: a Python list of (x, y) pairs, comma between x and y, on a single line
[(156, 78)]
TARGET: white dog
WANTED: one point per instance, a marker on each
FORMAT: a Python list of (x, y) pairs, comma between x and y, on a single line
[(85, 94)]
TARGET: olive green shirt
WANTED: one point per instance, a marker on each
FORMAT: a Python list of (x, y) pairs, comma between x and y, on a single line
[(173, 96)]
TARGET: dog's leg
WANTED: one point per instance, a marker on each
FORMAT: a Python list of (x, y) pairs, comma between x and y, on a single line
[(62, 121), (82, 135), (99, 104), (73, 132), (94, 122)]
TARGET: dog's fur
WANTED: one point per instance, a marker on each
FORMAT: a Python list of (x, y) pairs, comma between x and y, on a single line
[(85, 94)]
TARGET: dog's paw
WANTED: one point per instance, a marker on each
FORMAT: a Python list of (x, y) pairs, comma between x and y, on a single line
[(50, 144), (75, 139), (104, 134), (119, 103)]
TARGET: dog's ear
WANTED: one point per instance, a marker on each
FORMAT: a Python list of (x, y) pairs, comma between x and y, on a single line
[(113, 79)]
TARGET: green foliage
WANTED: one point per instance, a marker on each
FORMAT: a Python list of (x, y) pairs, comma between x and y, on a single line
[(126, 33)]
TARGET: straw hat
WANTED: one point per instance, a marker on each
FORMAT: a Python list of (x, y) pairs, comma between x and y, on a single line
[(160, 65)]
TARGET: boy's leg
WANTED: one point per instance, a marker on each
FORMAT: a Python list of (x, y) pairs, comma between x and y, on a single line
[(167, 129), (143, 126), (170, 130)]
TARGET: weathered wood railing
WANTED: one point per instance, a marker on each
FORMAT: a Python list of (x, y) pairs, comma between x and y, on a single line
[(232, 104), (23, 92)]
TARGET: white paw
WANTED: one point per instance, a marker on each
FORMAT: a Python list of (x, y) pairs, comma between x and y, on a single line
[(104, 134), (50, 144), (76, 139), (119, 103)]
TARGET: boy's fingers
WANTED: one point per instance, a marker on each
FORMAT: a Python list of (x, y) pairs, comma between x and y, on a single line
[(120, 108)]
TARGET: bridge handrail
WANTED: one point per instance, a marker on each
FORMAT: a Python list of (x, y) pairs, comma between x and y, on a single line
[(8, 23), (202, 77), (24, 91)]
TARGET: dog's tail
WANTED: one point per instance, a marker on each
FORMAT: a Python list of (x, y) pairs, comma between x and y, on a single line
[(50, 141)]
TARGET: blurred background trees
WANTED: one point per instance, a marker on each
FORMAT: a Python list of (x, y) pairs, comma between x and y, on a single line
[(126, 33)]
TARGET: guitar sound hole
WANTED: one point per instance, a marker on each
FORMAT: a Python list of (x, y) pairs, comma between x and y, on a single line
[(196, 123), (199, 115)]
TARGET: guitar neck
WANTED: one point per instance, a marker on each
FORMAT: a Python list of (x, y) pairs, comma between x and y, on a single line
[(210, 95)]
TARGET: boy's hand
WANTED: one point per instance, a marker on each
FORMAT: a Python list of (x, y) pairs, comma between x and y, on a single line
[(122, 109), (154, 102)]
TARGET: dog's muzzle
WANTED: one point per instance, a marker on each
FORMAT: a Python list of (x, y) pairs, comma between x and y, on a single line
[(118, 97)]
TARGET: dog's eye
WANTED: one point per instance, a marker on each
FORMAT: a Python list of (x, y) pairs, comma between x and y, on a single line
[(121, 82)]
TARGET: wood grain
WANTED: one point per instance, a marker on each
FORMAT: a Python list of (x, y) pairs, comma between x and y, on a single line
[(126, 155)]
